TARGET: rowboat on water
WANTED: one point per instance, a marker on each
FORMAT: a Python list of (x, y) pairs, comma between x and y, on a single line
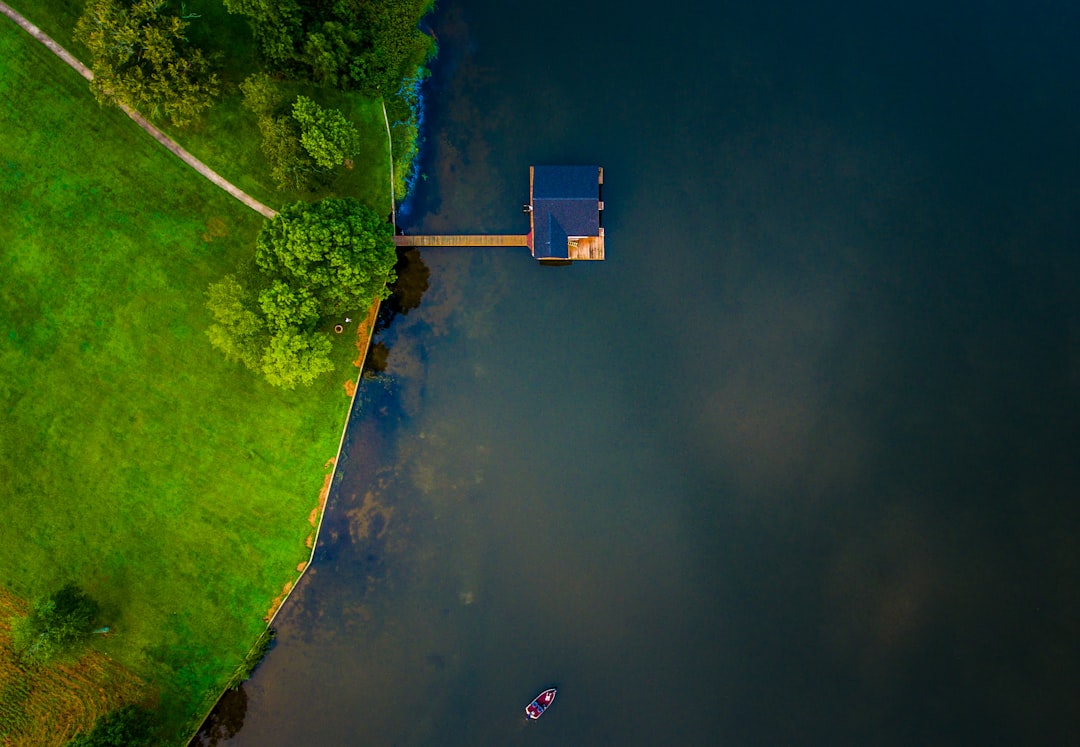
[(536, 709)]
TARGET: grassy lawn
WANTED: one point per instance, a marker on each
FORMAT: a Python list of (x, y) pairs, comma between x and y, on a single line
[(175, 487)]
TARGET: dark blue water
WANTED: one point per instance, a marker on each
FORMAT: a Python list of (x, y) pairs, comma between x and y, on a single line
[(797, 464)]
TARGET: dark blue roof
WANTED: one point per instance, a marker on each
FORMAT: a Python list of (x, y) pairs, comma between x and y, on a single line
[(566, 182), (550, 240), (565, 203)]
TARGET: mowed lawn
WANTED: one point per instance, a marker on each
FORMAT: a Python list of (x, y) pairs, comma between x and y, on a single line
[(175, 487)]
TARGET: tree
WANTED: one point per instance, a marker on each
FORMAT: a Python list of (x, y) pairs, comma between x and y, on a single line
[(339, 249), (289, 163), (261, 95), (55, 625), (277, 24), (239, 331), (294, 357), (366, 45), (326, 51), (286, 308), (141, 59), (396, 49), (314, 261), (130, 726), (326, 135)]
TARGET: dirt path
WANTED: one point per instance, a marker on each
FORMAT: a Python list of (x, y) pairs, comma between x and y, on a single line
[(139, 119)]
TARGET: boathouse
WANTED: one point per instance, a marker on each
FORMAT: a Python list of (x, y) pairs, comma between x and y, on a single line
[(565, 209)]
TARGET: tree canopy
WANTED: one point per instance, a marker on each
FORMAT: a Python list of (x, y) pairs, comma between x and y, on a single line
[(141, 58), (326, 135), (289, 163), (315, 261), (294, 357), (55, 625), (338, 249), (366, 45), (239, 330)]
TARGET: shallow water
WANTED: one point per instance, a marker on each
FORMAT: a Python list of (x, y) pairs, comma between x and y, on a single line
[(795, 465)]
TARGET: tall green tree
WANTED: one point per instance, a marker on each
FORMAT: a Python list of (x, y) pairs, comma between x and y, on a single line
[(261, 94), (294, 357), (278, 26), (286, 307), (326, 135), (315, 262), (239, 330), (290, 165), (55, 625), (141, 58), (339, 249)]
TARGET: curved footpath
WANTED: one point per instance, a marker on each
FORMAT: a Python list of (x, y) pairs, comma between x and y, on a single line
[(139, 119)]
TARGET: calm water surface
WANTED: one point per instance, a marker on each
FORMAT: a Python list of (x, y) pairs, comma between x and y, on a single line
[(796, 465)]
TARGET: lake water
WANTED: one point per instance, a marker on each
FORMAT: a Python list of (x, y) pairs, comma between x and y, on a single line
[(797, 464)]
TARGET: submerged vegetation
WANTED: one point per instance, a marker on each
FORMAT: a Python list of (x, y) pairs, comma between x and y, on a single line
[(172, 484)]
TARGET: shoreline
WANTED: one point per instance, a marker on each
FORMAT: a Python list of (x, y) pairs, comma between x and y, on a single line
[(365, 330), (365, 333)]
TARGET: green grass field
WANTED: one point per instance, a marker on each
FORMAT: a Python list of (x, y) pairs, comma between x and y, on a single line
[(173, 486)]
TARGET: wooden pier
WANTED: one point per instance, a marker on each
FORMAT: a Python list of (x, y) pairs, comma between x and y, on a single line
[(566, 212), (464, 240)]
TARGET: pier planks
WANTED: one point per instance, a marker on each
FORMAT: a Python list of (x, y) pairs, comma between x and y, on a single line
[(463, 240)]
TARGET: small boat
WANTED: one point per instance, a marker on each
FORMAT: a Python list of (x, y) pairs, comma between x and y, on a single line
[(536, 709)]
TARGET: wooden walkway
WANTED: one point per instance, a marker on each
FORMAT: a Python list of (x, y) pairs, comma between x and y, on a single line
[(463, 240)]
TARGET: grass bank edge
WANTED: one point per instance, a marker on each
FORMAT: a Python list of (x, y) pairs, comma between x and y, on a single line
[(234, 208)]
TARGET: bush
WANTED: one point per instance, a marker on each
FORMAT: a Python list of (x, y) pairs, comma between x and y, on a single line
[(55, 625), (130, 726)]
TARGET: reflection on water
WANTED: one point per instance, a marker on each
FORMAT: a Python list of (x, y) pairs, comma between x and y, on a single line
[(406, 294), (225, 721), (795, 465), (411, 284)]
